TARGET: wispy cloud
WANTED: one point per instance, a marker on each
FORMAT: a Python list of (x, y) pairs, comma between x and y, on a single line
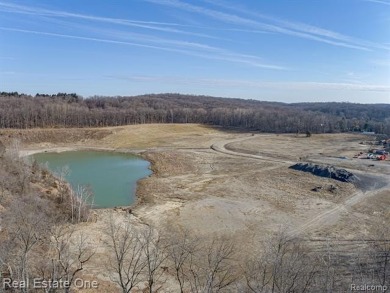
[(117, 36), (379, 1), (307, 30), (165, 27), (187, 48), (81, 38), (234, 83), (7, 72), (150, 25), (273, 24)]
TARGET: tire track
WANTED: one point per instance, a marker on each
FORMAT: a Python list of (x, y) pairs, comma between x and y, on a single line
[(325, 218)]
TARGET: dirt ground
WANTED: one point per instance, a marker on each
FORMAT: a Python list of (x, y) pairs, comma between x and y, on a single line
[(213, 181)]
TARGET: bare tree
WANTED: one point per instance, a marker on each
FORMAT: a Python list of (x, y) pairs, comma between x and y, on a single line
[(63, 188), (126, 259), (211, 268), (19, 168), (4, 180), (258, 274), (181, 248), (82, 201), (67, 257), (327, 276), (5, 261), (76, 201), (29, 247), (155, 253), (69, 110), (27, 225), (380, 256), (284, 266)]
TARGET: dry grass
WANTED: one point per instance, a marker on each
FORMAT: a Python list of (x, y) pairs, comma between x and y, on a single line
[(159, 135), (169, 163), (258, 194), (123, 137), (363, 220), (290, 146), (210, 193), (376, 207)]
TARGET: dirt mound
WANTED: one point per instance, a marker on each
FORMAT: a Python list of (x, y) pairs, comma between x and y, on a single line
[(326, 171)]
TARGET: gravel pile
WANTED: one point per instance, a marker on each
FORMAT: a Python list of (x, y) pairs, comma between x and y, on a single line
[(326, 171)]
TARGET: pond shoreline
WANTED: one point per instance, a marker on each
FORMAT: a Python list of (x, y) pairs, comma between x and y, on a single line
[(28, 152), (137, 153)]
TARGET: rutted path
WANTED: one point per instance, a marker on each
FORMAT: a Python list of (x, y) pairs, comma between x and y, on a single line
[(221, 147), (331, 216), (326, 218)]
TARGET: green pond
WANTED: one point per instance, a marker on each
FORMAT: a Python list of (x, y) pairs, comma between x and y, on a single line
[(111, 176)]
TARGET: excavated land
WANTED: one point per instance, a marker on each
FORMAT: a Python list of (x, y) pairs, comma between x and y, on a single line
[(212, 180), (215, 181)]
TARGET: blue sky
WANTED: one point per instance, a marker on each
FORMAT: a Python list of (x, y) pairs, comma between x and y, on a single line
[(282, 50)]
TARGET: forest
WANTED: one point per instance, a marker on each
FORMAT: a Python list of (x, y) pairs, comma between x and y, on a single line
[(40, 215), (71, 110)]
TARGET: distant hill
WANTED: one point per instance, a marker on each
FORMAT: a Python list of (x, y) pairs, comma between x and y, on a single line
[(71, 110)]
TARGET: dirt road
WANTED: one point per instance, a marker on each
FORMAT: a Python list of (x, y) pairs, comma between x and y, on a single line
[(220, 146), (328, 217), (216, 181)]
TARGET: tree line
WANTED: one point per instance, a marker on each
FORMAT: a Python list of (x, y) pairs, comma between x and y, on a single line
[(71, 110)]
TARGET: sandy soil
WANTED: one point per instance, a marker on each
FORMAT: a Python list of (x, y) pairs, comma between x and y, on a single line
[(212, 181), (216, 181)]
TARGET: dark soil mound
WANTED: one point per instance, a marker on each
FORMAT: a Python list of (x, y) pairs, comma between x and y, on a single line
[(326, 171)]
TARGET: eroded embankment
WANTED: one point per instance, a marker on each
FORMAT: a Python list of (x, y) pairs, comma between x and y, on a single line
[(54, 136)]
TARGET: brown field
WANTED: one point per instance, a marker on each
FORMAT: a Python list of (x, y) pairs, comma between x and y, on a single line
[(212, 181), (240, 185)]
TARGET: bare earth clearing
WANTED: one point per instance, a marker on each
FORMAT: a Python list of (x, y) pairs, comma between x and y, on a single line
[(213, 181)]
